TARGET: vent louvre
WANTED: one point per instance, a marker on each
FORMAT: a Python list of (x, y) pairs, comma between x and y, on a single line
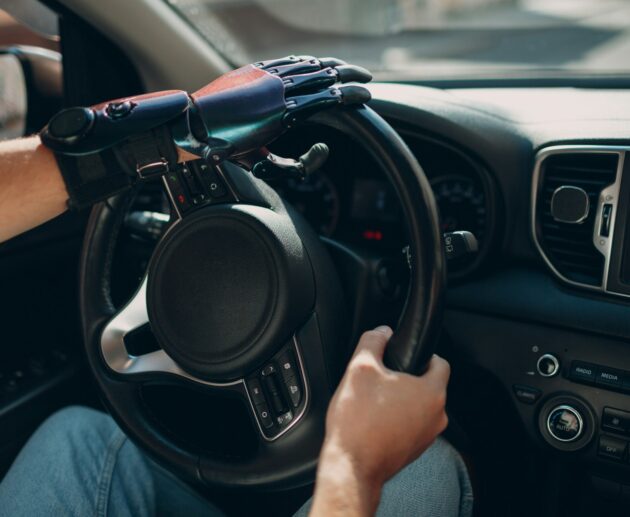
[(569, 247)]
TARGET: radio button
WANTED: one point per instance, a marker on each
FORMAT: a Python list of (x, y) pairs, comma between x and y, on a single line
[(584, 372)]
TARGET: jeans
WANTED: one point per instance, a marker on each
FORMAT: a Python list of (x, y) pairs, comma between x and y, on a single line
[(79, 463)]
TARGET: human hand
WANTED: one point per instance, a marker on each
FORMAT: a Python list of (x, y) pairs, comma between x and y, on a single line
[(378, 421)]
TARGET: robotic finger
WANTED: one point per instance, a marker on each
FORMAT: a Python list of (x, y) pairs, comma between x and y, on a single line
[(324, 78), (301, 107)]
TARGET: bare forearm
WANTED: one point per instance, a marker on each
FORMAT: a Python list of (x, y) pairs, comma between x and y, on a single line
[(32, 190), (377, 422), (341, 488)]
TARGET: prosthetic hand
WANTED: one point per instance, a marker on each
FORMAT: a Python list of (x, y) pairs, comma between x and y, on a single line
[(104, 149)]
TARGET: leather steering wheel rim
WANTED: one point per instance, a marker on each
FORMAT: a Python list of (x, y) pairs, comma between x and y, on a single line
[(411, 346)]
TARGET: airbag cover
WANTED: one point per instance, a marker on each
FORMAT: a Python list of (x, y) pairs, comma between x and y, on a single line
[(218, 293)]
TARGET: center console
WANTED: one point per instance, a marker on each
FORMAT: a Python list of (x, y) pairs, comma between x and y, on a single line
[(570, 389)]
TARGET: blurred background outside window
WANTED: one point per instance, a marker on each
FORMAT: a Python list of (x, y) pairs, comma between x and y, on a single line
[(421, 39)]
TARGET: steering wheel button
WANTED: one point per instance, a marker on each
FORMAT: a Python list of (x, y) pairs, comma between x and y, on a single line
[(268, 370), (284, 418), (279, 405), (255, 391), (287, 365), (262, 410), (270, 384), (295, 392)]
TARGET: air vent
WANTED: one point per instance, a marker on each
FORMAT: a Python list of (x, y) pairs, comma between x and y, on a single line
[(569, 247)]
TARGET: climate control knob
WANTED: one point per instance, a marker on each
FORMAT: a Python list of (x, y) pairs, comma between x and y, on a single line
[(565, 423)]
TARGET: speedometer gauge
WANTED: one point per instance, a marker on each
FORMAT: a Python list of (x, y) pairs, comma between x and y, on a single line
[(462, 204), (316, 198)]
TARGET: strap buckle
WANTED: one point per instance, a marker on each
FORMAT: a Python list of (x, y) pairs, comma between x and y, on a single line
[(153, 169)]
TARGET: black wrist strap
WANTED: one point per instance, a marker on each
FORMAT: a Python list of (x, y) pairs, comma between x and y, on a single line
[(150, 154), (93, 177)]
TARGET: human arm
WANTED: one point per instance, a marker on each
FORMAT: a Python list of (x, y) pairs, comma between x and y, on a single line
[(378, 422), (32, 190)]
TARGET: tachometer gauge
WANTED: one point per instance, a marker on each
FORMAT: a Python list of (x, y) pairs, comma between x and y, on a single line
[(461, 203), (316, 198)]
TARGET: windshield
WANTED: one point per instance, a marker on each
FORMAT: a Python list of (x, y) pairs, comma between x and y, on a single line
[(425, 39)]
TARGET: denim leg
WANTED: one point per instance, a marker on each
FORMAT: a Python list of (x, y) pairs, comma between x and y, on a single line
[(435, 485), (80, 463)]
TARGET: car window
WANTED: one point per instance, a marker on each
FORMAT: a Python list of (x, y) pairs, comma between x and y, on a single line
[(12, 98), (13, 94)]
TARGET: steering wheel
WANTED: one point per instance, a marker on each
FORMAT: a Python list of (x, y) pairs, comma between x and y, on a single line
[(245, 304)]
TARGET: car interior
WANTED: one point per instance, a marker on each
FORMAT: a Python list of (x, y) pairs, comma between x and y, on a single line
[(518, 113)]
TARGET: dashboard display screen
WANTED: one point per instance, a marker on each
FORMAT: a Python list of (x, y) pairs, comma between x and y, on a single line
[(374, 200)]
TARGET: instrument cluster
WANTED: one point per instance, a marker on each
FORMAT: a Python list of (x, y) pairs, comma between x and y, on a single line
[(350, 200)]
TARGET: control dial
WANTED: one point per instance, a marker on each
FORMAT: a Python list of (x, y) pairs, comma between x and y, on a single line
[(565, 423)]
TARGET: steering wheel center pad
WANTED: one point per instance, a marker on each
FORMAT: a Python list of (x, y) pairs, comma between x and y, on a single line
[(225, 286)]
